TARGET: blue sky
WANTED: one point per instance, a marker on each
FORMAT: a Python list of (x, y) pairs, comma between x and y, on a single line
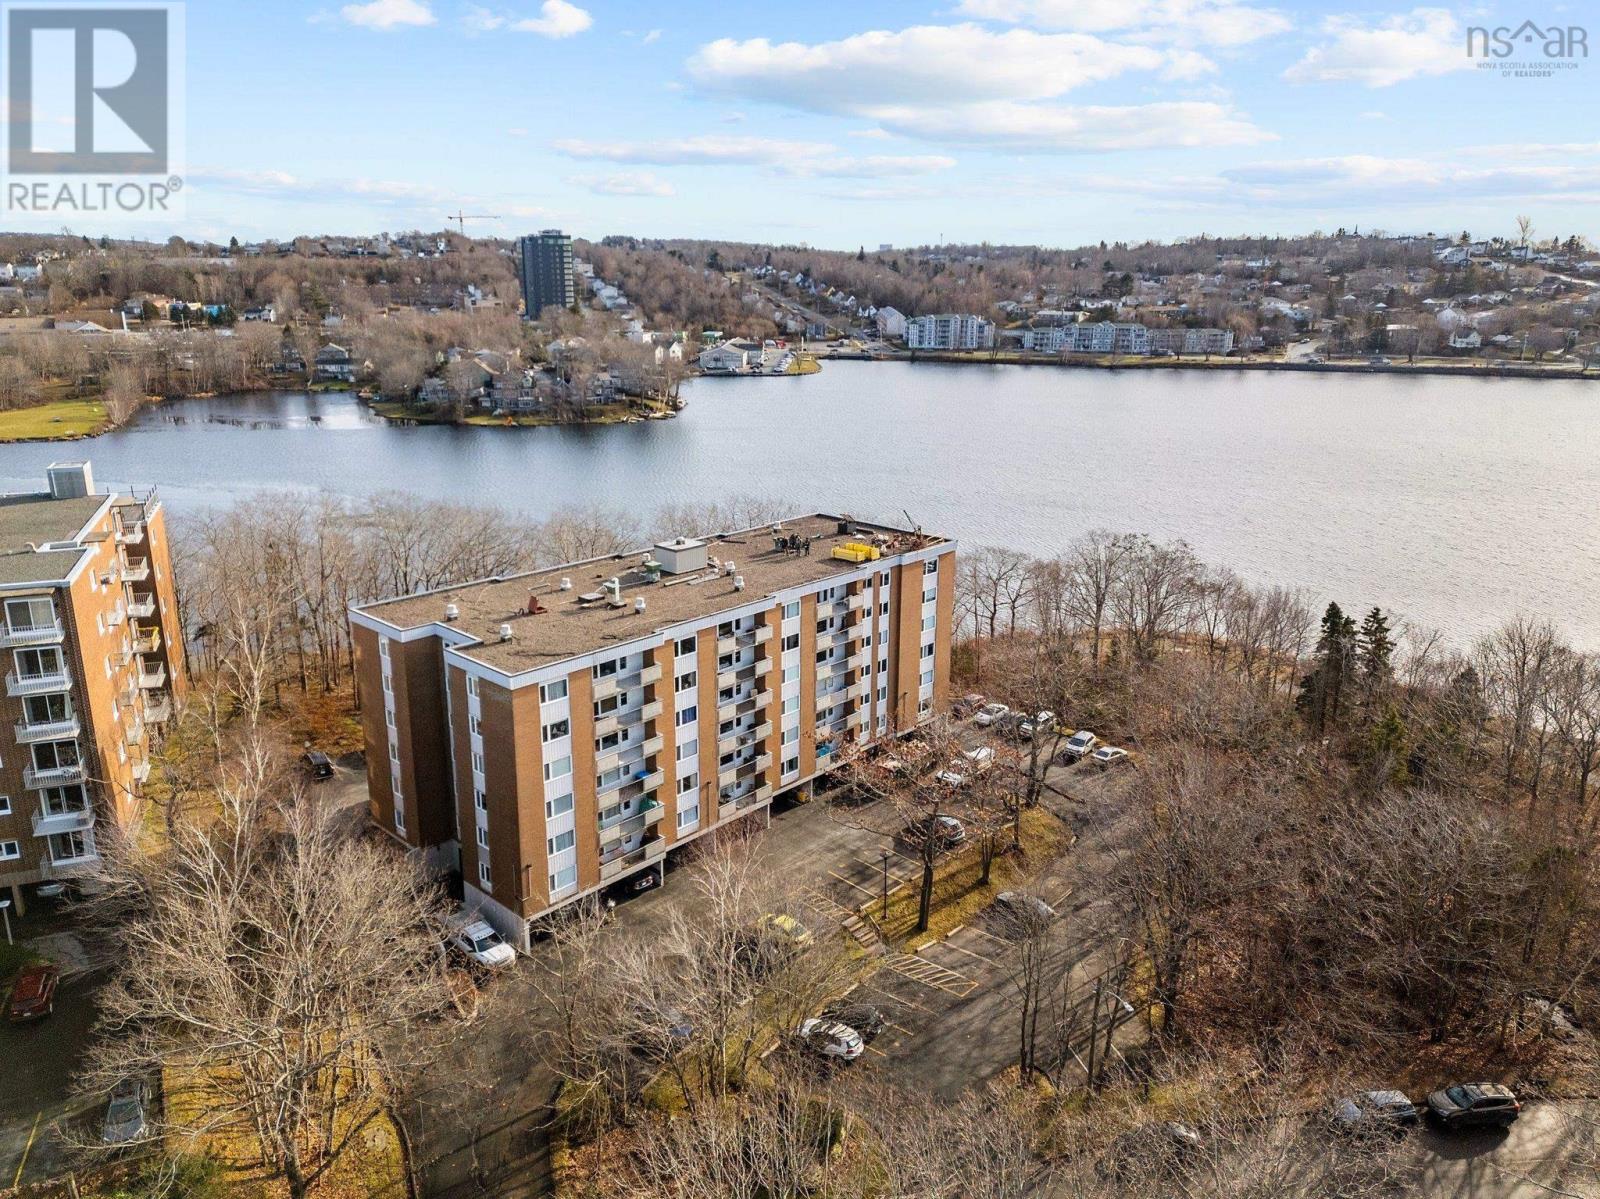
[(840, 124)]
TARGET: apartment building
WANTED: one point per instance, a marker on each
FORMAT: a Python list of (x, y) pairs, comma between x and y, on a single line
[(94, 668), (551, 734), (545, 271), (949, 331)]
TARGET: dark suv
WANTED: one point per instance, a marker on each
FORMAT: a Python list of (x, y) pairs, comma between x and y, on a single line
[(1474, 1105)]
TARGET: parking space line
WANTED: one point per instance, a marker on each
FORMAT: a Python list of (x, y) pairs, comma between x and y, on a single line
[(849, 883), (983, 932), (28, 1148), (969, 953)]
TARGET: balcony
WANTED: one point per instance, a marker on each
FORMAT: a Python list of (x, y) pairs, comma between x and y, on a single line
[(116, 616), (130, 532), (751, 736), (611, 684), (653, 850), (37, 684), (744, 639), (141, 771), (152, 679), (133, 732), (632, 826), (158, 711), (147, 641), (48, 824), (136, 570), (861, 601), (55, 730), (728, 810), (610, 761), (651, 710), (641, 787), (36, 778), (45, 634), (858, 690), (142, 609), (742, 705)]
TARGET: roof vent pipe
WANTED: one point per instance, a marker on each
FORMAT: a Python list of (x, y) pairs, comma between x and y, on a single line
[(452, 612), (738, 582), (639, 604), (728, 568), (566, 583), (505, 632)]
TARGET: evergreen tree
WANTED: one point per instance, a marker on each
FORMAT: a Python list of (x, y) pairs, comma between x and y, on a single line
[(1375, 656), (1322, 691), (1385, 750)]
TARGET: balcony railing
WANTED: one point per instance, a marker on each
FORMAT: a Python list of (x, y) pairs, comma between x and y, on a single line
[(631, 826), (147, 641), (136, 570), (129, 532), (641, 787), (55, 730), (158, 711), (152, 679), (117, 615), (37, 684), (611, 684), (20, 635), (133, 732), (652, 850), (48, 824), (141, 770), (38, 777), (142, 609)]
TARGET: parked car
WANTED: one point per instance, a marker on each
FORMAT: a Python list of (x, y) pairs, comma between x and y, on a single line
[(33, 993), (479, 944), (1474, 1105), (1020, 903), (866, 1020), (785, 929), (1373, 1111), (661, 1030), (829, 1039), (316, 764), (988, 714), (966, 705), (1037, 723), (944, 831), (645, 880), (125, 1113), (1080, 743), (1108, 756)]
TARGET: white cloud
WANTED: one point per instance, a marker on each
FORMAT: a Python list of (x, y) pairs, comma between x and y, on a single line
[(968, 85), (642, 184), (516, 131), (703, 149), (557, 18), (283, 186), (1425, 41), (871, 166), (872, 134), (653, 36), (1207, 22), (389, 14)]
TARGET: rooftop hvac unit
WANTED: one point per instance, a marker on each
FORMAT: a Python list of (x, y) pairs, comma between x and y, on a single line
[(452, 612), (639, 604), (727, 568), (505, 632), (738, 582), (566, 583)]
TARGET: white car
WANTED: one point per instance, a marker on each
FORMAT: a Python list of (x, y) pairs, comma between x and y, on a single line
[(826, 1038), (989, 713), (981, 758), (1108, 756), (481, 945), (1037, 723), (125, 1113), (1080, 743)]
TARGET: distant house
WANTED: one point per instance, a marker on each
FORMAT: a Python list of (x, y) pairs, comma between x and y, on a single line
[(891, 323), (727, 358), (334, 365), (1466, 339), (261, 312)]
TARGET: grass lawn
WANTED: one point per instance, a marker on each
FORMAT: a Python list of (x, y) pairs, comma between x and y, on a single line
[(55, 421), (958, 896)]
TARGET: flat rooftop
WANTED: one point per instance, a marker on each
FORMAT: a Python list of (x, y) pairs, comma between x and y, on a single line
[(568, 626), (29, 521)]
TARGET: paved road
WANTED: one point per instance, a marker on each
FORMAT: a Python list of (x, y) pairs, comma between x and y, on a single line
[(41, 1058), (1525, 1162)]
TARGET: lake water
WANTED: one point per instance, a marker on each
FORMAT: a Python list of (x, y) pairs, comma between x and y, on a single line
[(1455, 502)]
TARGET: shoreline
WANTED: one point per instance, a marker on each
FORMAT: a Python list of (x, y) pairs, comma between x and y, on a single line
[(1524, 370)]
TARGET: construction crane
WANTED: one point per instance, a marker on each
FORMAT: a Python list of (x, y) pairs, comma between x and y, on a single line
[(461, 218)]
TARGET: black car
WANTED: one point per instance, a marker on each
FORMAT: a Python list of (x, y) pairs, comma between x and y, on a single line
[(316, 764), (1474, 1105), (863, 1017), (1373, 1111)]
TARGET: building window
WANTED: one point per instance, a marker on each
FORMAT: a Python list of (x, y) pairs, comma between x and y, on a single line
[(686, 681), (477, 761), (791, 673), (792, 641), (883, 608), (609, 741), (927, 623), (791, 705), (685, 646), (10, 851), (564, 878), (927, 677), (562, 842), (30, 615), (604, 670), (549, 692), (924, 707), (931, 567), (483, 875), (688, 783), (688, 817), (483, 837), (688, 749), (480, 800), (791, 766), (790, 736), (475, 725), (32, 663), (558, 805), (687, 715), (927, 651), (5, 805), (383, 647), (929, 596), (556, 728), (791, 610), (557, 769)]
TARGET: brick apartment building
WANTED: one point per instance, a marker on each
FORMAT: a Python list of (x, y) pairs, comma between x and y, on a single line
[(551, 734), (94, 666)]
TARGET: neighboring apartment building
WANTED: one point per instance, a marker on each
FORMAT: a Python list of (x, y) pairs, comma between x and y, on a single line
[(949, 331), (94, 668), (545, 266), (553, 733)]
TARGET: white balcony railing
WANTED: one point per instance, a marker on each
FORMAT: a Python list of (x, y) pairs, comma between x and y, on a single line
[(158, 711), (142, 609), (37, 684), (152, 679), (48, 824), (136, 570), (55, 730), (38, 777), (45, 634)]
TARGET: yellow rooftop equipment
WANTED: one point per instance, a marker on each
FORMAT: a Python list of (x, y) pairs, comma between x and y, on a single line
[(857, 551)]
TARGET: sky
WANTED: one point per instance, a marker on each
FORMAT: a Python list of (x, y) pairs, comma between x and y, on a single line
[(838, 124)]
